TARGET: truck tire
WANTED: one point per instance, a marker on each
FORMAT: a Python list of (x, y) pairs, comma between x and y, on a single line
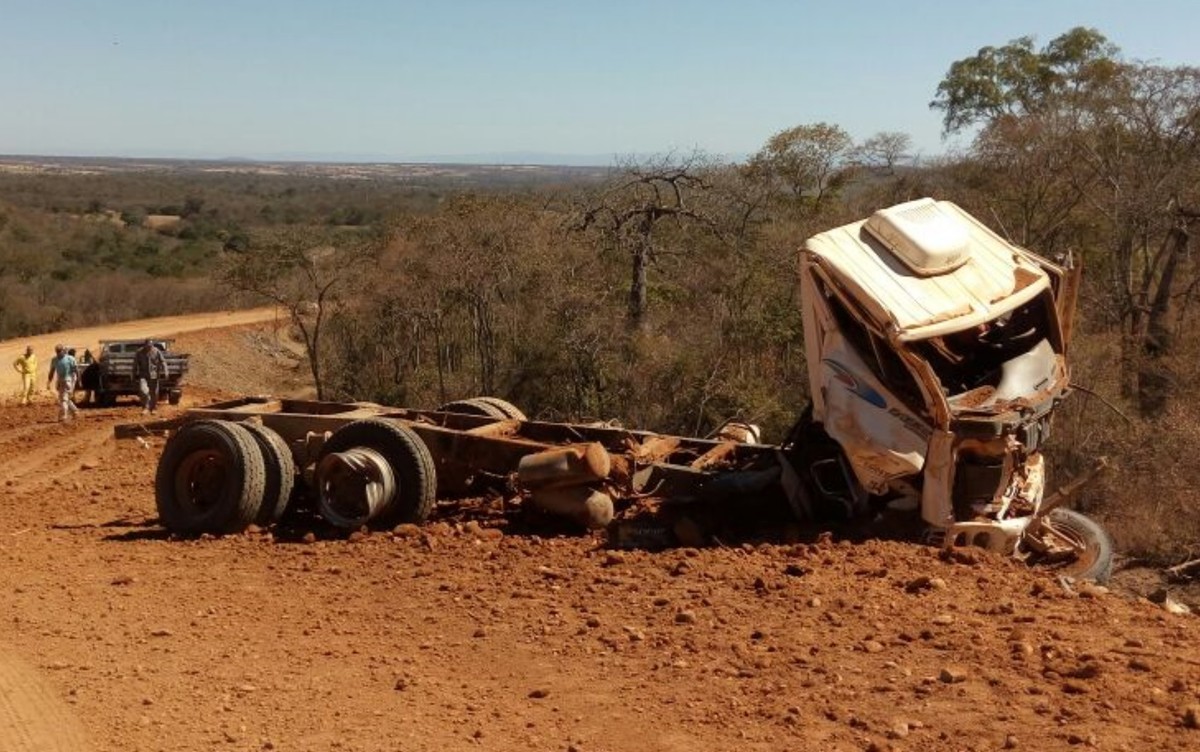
[(174, 396), (511, 411), (1096, 561), (210, 479), (280, 468), (409, 458), (474, 407), (106, 399)]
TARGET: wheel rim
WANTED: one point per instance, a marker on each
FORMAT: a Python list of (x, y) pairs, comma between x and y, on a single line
[(354, 486), (201, 479), (1081, 556), (1064, 549)]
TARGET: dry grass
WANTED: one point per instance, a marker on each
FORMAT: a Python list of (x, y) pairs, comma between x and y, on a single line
[(1150, 503)]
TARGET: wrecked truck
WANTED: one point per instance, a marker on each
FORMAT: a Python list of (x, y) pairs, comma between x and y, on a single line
[(936, 353)]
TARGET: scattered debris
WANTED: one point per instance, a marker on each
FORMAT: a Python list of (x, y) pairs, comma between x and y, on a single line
[(953, 675)]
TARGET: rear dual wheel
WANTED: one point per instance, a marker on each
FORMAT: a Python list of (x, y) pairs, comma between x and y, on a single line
[(211, 478), (280, 470), (219, 477)]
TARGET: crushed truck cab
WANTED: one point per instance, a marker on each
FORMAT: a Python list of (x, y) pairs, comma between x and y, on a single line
[(936, 353)]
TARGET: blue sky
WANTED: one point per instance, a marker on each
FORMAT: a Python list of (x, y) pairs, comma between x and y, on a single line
[(583, 81)]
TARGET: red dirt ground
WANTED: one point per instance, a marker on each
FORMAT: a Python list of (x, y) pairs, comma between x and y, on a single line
[(457, 636)]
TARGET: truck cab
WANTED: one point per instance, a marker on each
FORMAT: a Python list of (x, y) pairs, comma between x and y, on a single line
[(936, 352)]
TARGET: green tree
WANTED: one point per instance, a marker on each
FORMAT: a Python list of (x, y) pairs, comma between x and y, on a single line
[(1018, 80), (885, 151), (811, 162), (192, 206)]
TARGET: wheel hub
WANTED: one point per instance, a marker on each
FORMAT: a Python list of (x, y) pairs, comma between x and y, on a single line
[(201, 478), (354, 486), (1050, 544)]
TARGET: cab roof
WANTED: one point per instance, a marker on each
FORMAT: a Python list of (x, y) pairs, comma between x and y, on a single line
[(996, 278)]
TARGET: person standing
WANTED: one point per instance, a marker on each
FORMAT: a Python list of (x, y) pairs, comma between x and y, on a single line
[(63, 370), (148, 368), (87, 375), (26, 365)]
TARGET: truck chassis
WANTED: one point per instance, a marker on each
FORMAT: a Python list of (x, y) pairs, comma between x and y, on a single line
[(229, 465)]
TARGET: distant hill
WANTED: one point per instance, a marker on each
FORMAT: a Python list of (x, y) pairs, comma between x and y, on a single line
[(477, 169)]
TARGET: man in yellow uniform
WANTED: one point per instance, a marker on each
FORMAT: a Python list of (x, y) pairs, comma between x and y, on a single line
[(26, 365)]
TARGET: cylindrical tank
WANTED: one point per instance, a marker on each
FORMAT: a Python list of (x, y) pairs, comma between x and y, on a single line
[(567, 466), (591, 508)]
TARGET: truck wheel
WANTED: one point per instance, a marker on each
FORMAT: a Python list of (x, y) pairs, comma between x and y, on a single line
[(375, 470), (106, 399), (1095, 558), (511, 411), (210, 479), (280, 469), (174, 396), (474, 407)]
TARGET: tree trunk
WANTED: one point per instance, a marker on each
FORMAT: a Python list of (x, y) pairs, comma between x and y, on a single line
[(637, 287), (440, 359), (1132, 317), (484, 344), (1158, 330), (1155, 376), (310, 347)]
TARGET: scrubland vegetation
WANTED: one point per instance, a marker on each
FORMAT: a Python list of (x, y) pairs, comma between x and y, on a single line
[(664, 295)]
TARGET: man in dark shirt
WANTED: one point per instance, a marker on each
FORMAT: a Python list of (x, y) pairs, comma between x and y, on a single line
[(148, 368)]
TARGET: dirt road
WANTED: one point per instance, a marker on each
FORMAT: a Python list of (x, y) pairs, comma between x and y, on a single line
[(466, 634), (168, 326), (33, 718)]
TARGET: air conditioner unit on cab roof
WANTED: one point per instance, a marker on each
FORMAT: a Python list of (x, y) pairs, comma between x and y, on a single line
[(924, 237)]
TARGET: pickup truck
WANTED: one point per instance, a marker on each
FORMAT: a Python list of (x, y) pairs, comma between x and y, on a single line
[(111, 375)]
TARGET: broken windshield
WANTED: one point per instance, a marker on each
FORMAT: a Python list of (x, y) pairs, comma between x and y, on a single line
[(996, 361)]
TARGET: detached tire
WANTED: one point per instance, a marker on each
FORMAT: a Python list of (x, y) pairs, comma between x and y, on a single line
[(477, 406), (280, 468), (511, 411), (410, 461), (210, 479), (1096, 561)]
